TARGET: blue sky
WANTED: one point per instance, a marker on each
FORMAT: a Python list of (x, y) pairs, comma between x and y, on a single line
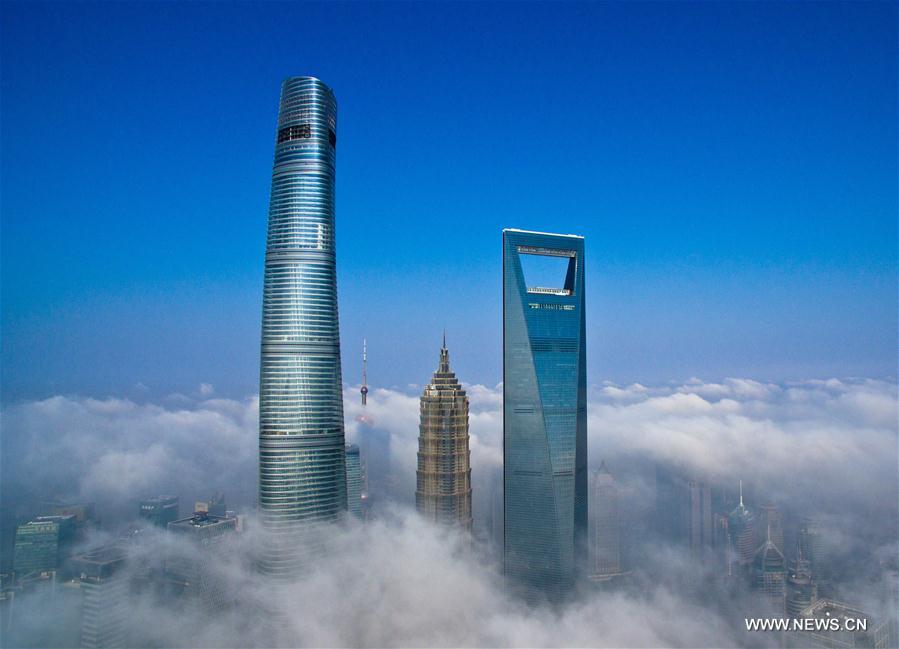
[(733, 168)]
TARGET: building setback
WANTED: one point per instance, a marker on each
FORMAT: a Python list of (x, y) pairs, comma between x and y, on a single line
[(302, 470), (443, 478), (544, 413)]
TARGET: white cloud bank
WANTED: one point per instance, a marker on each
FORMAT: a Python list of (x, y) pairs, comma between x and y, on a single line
[(835, 435), (803, 437), (400, 582)]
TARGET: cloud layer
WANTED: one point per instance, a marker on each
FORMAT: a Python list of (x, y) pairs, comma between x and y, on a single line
[(815, 446), (833, 439)]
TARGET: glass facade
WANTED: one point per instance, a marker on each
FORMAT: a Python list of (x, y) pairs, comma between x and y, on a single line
[(192, 568), (741, 531), (355, 480), (159, 511), (104, 586), (42, 544), (770, 575), (544, 417), (302, 475), (443, 477)]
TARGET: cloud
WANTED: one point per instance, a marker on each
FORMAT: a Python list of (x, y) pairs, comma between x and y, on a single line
[(114, 450), (799, 439), (834, 438), (398, 582), (817, 446)]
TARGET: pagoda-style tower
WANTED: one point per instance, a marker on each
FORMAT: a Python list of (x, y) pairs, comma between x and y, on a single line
[(443, 491)]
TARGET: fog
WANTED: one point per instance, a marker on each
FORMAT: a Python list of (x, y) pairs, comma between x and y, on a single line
[(822, 447)]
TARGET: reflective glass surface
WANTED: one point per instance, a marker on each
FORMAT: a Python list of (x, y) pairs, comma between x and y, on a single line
[(545, 417), (302, 476)]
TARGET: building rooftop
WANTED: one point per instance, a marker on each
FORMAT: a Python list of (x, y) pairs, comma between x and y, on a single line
[(829, 608), (105, 554), (549, 234), (100, 562), (52, 519), (200, 519)]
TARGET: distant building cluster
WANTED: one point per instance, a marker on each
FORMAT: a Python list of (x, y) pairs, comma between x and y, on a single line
[(88, 590)]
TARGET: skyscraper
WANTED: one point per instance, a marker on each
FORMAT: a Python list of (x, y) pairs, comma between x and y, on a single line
[(104, 612), (355, 480), (770, 575), (606, 558), (684, 512), (193, 566), (302, 475), (159, 511), (43, 544), (814, 546), (443, 478), (770, 517), (84, 512), (801, 588), (544, 412), (741, 541), (698, 515), (495, 513)]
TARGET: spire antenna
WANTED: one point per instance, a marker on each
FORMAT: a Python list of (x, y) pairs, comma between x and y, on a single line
[(444, 356), (741, 494)]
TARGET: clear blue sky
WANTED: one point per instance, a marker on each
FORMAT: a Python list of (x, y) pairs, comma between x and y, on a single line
[(733, 168)]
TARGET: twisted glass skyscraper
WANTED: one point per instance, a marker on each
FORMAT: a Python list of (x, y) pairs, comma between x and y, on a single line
[(302, 475), (544, 412)]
